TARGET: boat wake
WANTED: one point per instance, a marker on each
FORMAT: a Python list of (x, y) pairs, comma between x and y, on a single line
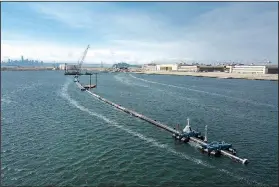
[(65, 95), (195, 102), (209, 93), (127, 82), (151, 141)]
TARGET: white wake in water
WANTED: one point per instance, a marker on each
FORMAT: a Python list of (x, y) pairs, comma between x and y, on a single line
[(65, 95), (210, 93), (192, 101), (127, 82)]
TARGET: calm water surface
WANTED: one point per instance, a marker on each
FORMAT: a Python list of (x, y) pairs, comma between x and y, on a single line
[(53, 134)]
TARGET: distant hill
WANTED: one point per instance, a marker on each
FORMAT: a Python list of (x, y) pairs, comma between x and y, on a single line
[(124, 65)]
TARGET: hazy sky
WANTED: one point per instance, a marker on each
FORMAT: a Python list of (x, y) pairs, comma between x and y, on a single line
[(140, 32)]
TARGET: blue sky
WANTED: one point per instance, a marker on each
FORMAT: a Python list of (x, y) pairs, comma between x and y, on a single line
[(140, 32)]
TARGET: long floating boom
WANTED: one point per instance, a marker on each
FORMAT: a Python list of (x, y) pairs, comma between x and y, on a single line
[(159, 124)]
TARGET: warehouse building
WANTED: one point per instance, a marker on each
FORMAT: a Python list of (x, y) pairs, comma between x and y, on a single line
[(167, 67), (211, 68), (189, 68), (149, 67), (248, 69), (252, 69), (263, 69), (272, 69), (62, 66)]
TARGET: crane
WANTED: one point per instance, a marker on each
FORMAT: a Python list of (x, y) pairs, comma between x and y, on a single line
[(80, 62)]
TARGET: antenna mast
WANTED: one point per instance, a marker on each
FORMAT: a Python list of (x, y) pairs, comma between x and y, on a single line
[(205, 133)]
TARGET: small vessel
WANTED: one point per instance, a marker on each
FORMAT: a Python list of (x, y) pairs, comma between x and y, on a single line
[(213, 148), (187, 132), (88, 73), (89, 86), (76, 78), (216, 147)]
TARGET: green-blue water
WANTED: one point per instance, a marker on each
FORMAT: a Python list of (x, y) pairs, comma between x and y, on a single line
[(54, 134)]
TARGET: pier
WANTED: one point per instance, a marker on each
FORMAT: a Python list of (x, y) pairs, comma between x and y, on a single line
[(158, 124)]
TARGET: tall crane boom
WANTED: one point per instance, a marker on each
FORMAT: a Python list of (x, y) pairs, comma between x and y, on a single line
[(82, 58)]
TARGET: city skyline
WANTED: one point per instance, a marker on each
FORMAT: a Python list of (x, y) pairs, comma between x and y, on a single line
[(22, 61), (140, 32)]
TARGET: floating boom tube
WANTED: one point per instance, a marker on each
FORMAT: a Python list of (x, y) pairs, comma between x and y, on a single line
[(194, 136)]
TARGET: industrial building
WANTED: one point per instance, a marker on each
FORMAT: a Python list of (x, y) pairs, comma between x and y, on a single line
[(167, 67), (272, 69), (62, 66), (188, 68), (252, 69), (160, 67), (211, 68), (149, 67), (248, 69), (263, 69)]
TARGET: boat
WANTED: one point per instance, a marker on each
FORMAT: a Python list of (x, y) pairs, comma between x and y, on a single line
[(217, 147), (187, 132), (88, 73), (213, 148), (72, 73), (76, 78)]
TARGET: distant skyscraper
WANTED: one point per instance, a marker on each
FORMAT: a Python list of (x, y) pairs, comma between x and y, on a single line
[(22, 59)]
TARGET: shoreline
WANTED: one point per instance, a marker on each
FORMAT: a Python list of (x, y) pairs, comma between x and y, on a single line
[(26, 68), (220, 75), (44, 69)]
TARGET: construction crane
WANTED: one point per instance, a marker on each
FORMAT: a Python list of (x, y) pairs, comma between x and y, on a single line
[(80, 62), (76, 69)]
